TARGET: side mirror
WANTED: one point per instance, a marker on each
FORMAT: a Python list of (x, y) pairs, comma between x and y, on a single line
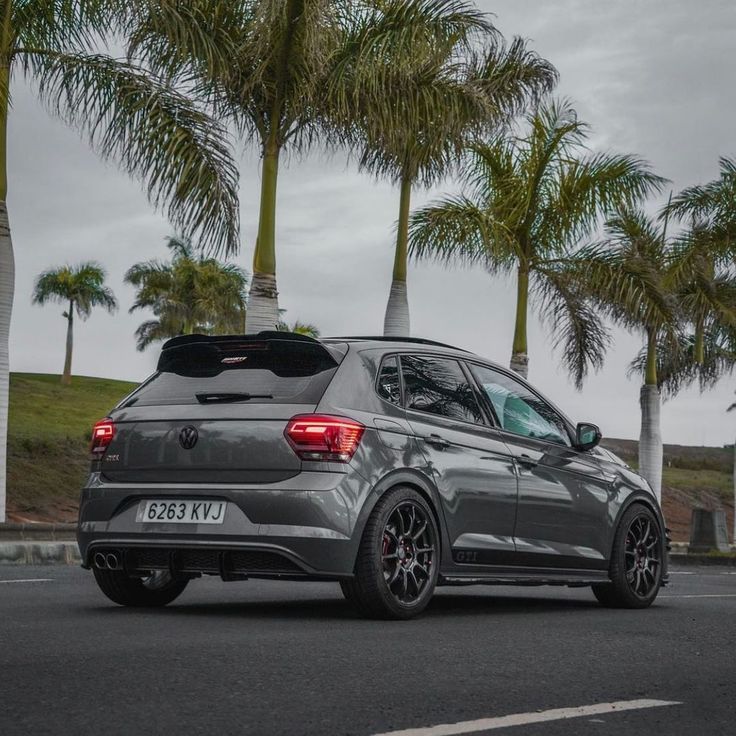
[(587, 436)]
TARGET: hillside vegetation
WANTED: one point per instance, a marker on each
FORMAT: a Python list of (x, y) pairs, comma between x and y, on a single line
[(50, 430), (48, 440)]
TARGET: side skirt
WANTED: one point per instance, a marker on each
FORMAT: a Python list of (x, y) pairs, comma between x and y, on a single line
[(526, 576)]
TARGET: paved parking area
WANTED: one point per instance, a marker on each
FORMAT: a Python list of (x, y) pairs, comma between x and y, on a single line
[(291, 658)]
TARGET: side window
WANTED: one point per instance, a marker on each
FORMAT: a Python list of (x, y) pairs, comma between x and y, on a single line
[(387, 385), (518, 409), (439, 386)]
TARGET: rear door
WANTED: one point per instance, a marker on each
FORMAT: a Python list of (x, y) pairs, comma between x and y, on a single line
[(216, 410), (471, 465), (564, 496)]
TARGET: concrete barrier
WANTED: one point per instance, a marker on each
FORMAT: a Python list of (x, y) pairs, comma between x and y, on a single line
[(39, 553), (708, 531)]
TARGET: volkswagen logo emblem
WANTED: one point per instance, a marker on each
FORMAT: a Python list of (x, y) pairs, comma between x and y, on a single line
[(188, 437)]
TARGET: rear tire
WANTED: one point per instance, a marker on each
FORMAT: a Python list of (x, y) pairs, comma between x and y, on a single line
[(398, 558), (636, 561), (159, 589)]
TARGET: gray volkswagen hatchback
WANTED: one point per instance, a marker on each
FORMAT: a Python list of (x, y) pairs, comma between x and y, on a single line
[(389, 465)]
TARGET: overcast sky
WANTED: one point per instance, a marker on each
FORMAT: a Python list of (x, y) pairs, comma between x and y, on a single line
[(653, 77)]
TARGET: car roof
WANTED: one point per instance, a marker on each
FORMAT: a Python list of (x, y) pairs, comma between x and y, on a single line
[(384, 341)]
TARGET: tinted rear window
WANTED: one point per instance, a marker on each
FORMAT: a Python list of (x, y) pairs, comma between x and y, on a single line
[(274, 371)]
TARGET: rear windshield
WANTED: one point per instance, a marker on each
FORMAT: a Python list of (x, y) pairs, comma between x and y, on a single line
[(275, 371)]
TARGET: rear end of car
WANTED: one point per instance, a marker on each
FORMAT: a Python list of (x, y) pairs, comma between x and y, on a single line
[(219, 464)]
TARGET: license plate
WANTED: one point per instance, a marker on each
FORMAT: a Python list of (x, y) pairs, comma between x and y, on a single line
[(181, 512)]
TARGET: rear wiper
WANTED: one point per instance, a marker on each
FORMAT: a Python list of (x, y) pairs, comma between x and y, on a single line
[(229, 398)]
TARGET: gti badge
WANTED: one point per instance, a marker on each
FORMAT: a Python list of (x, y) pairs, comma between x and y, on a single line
[(188, 437)]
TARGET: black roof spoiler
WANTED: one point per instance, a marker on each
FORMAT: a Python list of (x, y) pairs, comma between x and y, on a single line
[(197, 339), (189, 349)]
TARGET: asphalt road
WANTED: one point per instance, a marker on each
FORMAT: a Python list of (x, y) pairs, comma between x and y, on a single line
[(292, 658)]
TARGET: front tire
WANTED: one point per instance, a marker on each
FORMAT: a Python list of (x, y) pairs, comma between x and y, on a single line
[(398, 558), (158, 589), (636, 562)]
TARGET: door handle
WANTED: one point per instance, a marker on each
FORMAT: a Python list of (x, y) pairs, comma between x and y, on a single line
[(526, 461), (436, 441)]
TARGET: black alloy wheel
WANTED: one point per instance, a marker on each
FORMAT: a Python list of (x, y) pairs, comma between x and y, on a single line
[(636, 562), (643, 557), (398, 559), (408, 549)]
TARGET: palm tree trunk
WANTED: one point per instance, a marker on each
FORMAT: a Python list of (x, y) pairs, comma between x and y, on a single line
[(650, 437), (396, 322), (7, 286), (699, 349), (66, 376), (734, 492), (263, 303), (7, 261), (519, 356)]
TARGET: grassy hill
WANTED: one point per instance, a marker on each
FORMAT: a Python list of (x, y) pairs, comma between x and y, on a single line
[(48, 440), (50, 429)]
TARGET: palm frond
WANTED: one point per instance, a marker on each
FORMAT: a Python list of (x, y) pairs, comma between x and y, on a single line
[(578, 332), (456, 230), (712, 202), (512, 76), (154, 132), (64, 24), (593, 185), (184, 39), (677, 368)]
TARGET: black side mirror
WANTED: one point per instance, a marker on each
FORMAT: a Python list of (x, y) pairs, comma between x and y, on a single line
[(587, 436)]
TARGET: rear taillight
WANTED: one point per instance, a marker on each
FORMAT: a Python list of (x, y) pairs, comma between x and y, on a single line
[(102, 434), (326, 438)]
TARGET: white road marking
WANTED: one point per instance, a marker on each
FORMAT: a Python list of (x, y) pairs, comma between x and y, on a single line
[(524, 719), (702, 595), (681, 572), (29, 580)]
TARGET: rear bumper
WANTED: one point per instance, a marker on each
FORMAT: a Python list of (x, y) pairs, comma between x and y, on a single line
[(307, 522)]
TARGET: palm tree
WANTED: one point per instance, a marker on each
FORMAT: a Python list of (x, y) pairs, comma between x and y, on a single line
[(630, 277), (190, 294), (300, 328), (288, 74), (449, 93), (532, 199), (129, 115), (710, 243), (700, 274), (81, 288)]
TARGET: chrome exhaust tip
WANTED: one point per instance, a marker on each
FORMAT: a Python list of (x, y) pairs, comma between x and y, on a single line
[(112, 561), (100, 561)]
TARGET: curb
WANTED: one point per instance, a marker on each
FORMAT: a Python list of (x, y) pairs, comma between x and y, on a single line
[(694, 559), (39, 553)]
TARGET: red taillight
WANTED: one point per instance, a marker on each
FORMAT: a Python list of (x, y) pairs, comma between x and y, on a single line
[(320, 437), (102, 434)]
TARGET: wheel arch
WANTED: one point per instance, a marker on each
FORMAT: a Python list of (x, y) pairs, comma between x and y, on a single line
[(641, 499), (422, 485)]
